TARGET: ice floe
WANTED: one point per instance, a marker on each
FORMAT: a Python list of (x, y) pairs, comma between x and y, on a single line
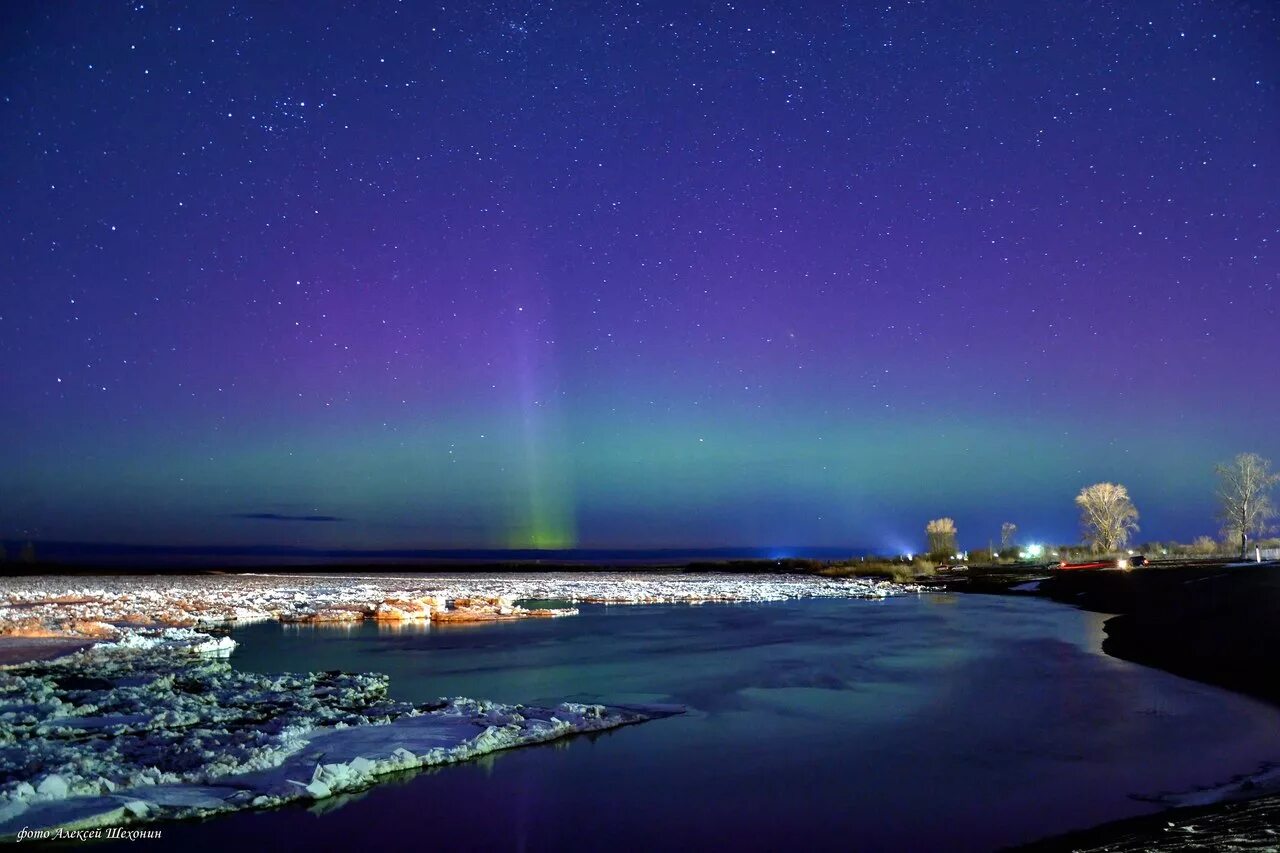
[(128, 732)]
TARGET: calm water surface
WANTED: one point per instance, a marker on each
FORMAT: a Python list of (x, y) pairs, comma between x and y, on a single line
[(938, 722)]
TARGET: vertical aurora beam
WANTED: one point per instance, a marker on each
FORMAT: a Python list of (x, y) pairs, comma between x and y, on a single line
[(545, 518)]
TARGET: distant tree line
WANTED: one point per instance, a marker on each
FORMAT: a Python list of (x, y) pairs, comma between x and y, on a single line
[(1109, 518)]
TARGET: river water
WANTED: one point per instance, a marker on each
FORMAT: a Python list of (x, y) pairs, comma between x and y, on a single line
[(915, 723)]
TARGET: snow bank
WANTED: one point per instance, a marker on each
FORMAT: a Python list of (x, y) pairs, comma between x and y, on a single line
[(76, 607)]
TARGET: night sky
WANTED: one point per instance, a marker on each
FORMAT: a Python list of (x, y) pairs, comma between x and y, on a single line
[(631, 275)]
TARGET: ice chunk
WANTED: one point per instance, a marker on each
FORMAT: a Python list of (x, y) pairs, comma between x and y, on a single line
[(319, 790), (52, 787)]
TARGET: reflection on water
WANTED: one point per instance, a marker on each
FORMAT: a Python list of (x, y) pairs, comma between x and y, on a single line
[(917, 723), (415, 626), (321, 627)]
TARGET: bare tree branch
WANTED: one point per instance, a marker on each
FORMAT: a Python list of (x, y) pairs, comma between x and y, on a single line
[(1107, 516), (941, 533), (1244, 486)]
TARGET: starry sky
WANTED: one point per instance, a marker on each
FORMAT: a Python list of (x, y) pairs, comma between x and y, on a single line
[(621, 275)]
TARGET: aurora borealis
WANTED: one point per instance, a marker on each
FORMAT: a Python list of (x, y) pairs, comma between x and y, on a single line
[(396, 275)]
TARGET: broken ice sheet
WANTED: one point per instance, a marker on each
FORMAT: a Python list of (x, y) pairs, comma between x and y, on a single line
[(141, 731)]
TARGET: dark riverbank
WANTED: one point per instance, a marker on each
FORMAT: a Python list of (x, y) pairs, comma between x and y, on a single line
[(1212, 622), (1240, 826), (1216, 624)]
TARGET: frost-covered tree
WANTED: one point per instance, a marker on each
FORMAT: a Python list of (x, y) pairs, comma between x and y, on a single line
[(1244, 495), (1008, 535), (1107, 516), (941, 533), (1204, 545)]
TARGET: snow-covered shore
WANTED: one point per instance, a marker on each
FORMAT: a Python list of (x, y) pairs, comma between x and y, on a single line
[(51, 606)]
